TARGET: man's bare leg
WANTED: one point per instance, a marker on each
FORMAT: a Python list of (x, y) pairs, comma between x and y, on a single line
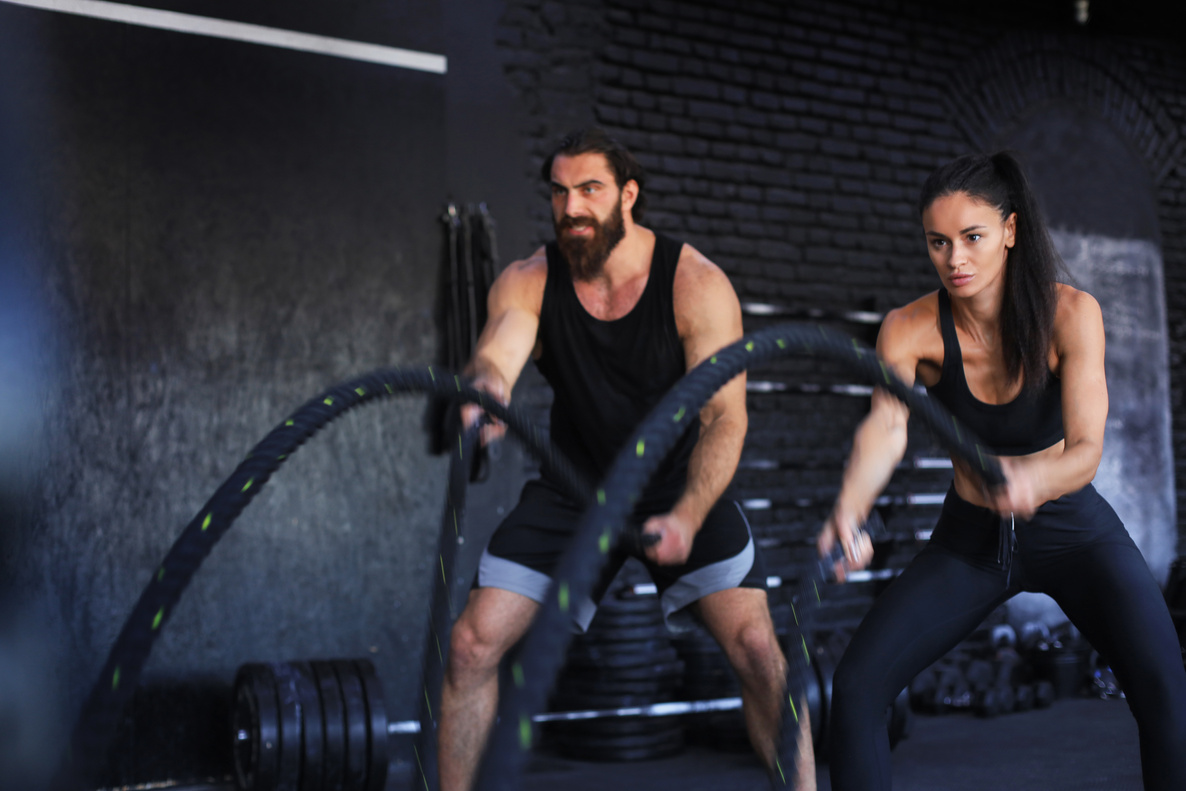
[(739, 619), (492, 622)]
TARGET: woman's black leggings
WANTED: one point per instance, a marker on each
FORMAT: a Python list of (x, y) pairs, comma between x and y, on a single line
[(1076, 550)]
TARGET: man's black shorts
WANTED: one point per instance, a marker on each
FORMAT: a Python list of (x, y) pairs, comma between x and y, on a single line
[(526, 548)]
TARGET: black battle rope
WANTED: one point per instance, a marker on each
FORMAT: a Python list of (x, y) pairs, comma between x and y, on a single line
[(543, 649), (117, 681), (440, 618)]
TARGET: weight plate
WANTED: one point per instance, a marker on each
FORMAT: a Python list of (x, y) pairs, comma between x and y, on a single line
[(651, 738), (376, 725), (629, 604), (256, 717), (617, 687), (245, 733), (355, 709), (616, 660), (289, 776), (626, 620), (312, 728), (648, 671), (1024, 697), (613, 726), (575, 702), (334, 722), (825, 668), (669, 747), (261, 706), (623, 634), (598, 650)]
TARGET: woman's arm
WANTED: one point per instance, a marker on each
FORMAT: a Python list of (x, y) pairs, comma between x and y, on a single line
[(879, 442), (1079, 347)]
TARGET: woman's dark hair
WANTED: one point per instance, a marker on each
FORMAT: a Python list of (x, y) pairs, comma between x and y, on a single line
[(594, 140), (1027, 312)]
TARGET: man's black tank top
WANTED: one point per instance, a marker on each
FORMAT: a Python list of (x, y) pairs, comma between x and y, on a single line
[(607, 375), (1027, 424)]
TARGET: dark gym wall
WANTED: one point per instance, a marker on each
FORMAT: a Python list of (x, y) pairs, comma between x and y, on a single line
[(218, 231)]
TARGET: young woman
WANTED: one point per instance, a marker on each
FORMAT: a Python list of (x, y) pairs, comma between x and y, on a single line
[(1019, 359)]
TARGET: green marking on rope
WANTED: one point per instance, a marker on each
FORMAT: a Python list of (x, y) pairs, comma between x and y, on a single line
[(329, 401), (641, 447), (422, 776), (455, 530), (778, 765), (601, 496), (247, 485), (428, 702), (524, 732), (564, 596), (360, 390), (440, 653), (390, 389), (794, 711), (444, 579), (282, 457), (603, 543), (288, 423), (781, 343), (713, 360), (749, 346), (431, 374), (815, 585), (206, 522), (457, 381), (517, 672), (115, 679), (794, 613), (806, 653), (679, 415), (160, 616), (884, 371), (160, 575), (460, 448)]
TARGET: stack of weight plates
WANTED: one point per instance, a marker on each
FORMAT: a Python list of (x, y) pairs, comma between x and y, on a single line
[(709, 676), (624, 660), (308, 726)]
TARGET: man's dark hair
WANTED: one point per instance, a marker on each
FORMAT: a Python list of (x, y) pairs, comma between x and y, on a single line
[(594, 140)]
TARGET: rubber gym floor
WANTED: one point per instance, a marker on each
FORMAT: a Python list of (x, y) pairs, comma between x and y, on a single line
[(1079, 744), (1083, 744)]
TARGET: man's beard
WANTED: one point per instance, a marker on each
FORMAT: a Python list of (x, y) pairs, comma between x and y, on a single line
[(587, 257)]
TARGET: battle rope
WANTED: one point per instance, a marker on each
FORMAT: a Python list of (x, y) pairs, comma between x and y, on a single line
[(440, 619), (543, 648), (600, 527), (117, 681)]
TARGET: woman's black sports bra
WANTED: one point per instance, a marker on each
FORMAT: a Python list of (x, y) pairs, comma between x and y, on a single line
[(1027, 424)]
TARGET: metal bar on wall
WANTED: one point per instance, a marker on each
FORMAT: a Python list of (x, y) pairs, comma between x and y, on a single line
[(243, 31)]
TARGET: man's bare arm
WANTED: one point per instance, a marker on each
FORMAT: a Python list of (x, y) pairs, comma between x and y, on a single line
[(507, 340), (708, 316)]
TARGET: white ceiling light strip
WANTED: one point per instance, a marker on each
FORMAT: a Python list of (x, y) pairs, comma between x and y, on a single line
[(242, 31)]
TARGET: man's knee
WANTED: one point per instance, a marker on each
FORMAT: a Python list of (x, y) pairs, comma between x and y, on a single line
[(474, 649), (755, 651)]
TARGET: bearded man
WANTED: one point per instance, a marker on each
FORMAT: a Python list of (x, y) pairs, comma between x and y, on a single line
[(613, 315)]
